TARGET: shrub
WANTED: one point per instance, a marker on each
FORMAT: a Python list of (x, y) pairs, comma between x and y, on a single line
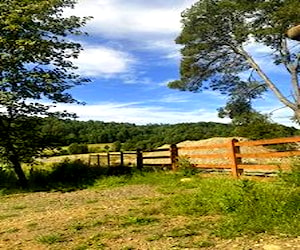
[(68, 175), (76, 148), (185, 167), (293, 177), (7, 177)]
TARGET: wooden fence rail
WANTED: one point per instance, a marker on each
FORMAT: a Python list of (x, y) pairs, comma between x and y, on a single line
[(232, 154)]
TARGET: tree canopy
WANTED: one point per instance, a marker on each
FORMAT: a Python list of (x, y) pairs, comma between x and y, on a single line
[(215, 35), (35, 68)]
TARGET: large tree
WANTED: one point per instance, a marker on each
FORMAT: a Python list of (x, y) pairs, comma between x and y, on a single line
[(215, 36), (35, 68)]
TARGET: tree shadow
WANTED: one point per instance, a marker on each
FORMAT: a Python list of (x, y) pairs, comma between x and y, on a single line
[(65, 176)]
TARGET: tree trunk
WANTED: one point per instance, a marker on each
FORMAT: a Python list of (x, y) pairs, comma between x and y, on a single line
[(19, 171), (297, 116)]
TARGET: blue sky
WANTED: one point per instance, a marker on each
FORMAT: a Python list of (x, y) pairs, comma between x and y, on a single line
[(130, 56)]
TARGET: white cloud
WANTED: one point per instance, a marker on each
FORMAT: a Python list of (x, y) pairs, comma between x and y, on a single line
[(139, 113), (113, 18), (148, 24), (103, 62)]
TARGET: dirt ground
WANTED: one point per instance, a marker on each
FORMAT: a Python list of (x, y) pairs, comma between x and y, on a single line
[(128, 217)]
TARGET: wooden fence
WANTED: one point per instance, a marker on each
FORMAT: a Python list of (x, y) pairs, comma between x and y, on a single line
[(232, 154)]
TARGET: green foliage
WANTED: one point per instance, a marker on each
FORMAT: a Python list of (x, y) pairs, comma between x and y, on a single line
[(66, 175), (256, 126), (138, 221), (7, 178), (117, 146), (293, 177), (260, 209), (50, 238), (148, 137), (247, 207), (214, 54), (185, 167), (36, 63), (76, 148)]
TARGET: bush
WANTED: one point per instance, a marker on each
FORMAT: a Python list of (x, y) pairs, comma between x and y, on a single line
[(293, 177), (7, 178), (68, 175), (76, 148), (185, 167)]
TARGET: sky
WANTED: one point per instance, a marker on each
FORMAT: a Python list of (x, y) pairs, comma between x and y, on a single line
[(130, 56)]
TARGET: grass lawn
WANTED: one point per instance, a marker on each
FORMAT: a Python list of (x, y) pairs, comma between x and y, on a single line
[(156, 210)]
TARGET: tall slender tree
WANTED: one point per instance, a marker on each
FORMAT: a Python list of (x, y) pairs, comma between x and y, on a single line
[(215, 35), (35, 66)]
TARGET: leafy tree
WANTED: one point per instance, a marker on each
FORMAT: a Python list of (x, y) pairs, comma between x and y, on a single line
[(214, 37), (117, 146), (35, 66), (254, 125)]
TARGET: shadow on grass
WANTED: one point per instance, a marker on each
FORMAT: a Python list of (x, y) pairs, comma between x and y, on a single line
[(65, 176)]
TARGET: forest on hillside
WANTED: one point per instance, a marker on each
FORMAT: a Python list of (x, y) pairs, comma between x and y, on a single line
[(147, 137)]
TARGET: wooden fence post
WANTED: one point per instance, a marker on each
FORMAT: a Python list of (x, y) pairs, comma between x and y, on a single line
[(121, 159), (98, 160), (108, 159), (139, 159), (174, 156), (234, 160)]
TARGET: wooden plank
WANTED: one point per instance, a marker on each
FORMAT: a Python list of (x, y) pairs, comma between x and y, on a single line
[(129, 153), (157, 165), (156, 157), (212, 166), (269, 155), (268, 141), (261, 167), (223, 145), (158, 150), (208, 156)]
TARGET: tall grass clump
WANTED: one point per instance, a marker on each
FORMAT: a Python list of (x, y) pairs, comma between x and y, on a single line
[(67, 174), (292, 178), (243, 206), (185, 167), (262, 208)]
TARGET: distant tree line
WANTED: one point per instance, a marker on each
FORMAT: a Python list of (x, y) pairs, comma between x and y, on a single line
[(130, 136)]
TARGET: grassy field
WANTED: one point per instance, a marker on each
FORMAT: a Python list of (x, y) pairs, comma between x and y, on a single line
[(155, 210)]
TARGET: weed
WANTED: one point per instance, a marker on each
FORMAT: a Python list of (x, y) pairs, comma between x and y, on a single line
[(204, 244), (32, 225), (96, 241), (19, 207), (50, 238), (82, 247), (154, 237), (128, 248), (77, 226), (91, 201), (139, 221), (13, 230), (185, 167), (181, 232), (292, 178)]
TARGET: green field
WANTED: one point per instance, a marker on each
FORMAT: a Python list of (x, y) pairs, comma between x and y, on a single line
[(155, 210)]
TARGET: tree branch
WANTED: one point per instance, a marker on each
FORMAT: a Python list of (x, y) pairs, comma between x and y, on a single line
[(292, 69), (265, 78)]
